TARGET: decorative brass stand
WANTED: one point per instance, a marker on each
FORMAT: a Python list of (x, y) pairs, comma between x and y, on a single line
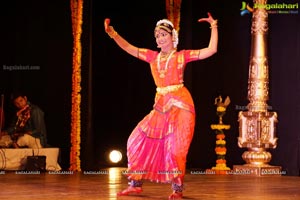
[(220, 149), (257, 125)]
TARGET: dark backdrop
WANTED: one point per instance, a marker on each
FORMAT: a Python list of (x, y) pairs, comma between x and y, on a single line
[(118, 90), (38, 33)]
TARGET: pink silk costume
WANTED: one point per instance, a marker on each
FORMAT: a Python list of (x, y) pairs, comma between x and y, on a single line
[(158, 145)]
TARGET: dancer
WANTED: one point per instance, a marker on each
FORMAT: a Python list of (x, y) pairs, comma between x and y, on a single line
[(158, 145)]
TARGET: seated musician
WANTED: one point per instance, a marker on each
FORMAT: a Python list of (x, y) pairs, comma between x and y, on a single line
[(28, 128)]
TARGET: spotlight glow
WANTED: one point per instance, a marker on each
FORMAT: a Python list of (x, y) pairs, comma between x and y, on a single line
[(115, 156)]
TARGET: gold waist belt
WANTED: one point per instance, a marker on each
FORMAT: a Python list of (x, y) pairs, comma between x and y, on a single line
[(167, 89)]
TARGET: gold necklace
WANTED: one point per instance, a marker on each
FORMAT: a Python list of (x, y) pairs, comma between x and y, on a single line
[(163, 71)]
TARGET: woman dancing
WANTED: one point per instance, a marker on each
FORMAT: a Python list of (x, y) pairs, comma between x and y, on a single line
[(158, 145)]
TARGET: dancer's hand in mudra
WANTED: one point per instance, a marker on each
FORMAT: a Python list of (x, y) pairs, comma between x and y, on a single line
[(209, 19)]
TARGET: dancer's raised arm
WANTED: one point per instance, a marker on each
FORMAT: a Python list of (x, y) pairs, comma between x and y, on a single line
[(213, 43), (126, 46)]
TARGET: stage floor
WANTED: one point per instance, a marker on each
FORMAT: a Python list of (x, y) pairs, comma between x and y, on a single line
[(104, 184)]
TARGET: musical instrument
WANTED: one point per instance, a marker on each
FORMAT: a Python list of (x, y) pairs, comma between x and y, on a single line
[(23, 116)]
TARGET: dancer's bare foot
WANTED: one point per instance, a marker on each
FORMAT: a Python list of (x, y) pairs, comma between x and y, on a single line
[(130, 190), (176, 195)]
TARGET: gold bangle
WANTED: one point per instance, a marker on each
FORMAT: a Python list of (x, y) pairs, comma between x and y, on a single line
[(113, 34), (214, 24)]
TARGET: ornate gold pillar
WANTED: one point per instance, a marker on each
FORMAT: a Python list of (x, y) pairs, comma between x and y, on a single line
[(257, 125)]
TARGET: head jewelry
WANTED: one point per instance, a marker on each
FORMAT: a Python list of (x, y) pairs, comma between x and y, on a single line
[(168, 26)]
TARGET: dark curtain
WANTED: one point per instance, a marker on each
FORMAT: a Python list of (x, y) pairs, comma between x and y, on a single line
[(38, 34)]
